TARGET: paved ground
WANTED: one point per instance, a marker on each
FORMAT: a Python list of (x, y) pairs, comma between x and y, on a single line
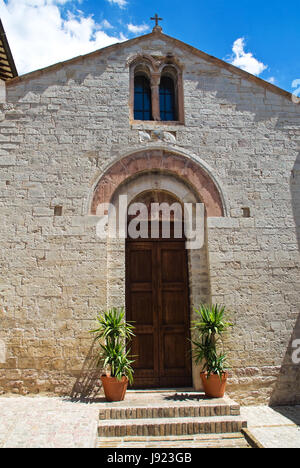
[(274, 427), (49, 422), (41, 422)]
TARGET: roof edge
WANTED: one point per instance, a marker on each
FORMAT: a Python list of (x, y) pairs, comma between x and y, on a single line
[(58, 65), (232, 68), (7, 50), (210, 58)]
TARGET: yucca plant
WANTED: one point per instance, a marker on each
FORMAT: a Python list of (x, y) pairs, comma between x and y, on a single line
[(208, 328), (211, 320), (112, 334), (205, 353)]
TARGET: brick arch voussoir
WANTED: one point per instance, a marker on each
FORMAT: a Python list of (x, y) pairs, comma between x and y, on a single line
[(143, 161)]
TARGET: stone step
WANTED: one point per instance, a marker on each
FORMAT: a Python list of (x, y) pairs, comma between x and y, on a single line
[(170, 426), (172, 411), (230, 440)]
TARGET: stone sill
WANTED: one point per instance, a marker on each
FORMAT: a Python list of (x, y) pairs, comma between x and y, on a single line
[(155, 125)]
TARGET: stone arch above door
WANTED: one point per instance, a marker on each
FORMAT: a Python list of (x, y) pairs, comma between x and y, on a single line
[(144, 161)]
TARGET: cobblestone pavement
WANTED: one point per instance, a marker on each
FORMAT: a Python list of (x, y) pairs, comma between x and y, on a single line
[(277, 427), (42, 422), (52, 422)]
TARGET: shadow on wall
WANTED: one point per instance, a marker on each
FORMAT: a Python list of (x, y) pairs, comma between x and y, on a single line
[(287, 387), (295, 191), (228, 91), (88, 384)]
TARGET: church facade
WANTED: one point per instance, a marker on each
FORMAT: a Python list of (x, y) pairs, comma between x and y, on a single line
[(150, 119)]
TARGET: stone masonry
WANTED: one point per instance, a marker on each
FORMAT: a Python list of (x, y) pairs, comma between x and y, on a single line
[(61, 129)]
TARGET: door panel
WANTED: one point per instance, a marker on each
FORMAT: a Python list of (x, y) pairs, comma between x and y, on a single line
[(173, 361), (157, 301), (172, 262), (141, 292), (142, 307), (140, 266), (143, 349), (173, 303)]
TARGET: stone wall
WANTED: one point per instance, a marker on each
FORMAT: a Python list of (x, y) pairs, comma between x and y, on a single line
[(60, 129)]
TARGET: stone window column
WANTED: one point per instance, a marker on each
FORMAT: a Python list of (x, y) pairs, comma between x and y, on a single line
[(155, 80)]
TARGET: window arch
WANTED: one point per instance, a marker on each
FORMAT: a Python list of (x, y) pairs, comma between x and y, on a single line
[(142, 98), (167, 102), (156, 89)]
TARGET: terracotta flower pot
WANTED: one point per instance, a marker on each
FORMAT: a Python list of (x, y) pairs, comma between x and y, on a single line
[(114, 389), (213, 386)]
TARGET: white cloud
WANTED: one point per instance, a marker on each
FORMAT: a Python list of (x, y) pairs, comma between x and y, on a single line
[(272, 80), (137, 29), (106, 24), (39, 35), (245, 60), (120, 3)]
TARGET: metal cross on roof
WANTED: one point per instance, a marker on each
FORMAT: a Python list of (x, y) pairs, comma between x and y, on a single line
[(156, 19)]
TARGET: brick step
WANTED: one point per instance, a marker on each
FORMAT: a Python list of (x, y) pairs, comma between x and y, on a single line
[(172, 411), (171, 426)]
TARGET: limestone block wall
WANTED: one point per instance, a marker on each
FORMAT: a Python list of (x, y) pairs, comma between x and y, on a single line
[(60, 129)]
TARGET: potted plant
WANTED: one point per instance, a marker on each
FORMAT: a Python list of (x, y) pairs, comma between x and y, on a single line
[(208, 328), (112, 334)]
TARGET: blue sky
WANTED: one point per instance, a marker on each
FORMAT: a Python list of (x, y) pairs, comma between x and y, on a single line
[(261, 37)]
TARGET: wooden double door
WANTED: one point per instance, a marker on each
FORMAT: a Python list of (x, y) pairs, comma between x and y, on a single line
[(157, 301)]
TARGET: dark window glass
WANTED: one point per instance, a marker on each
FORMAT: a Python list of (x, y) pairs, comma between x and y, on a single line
[(142, 98), (167, 99)]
